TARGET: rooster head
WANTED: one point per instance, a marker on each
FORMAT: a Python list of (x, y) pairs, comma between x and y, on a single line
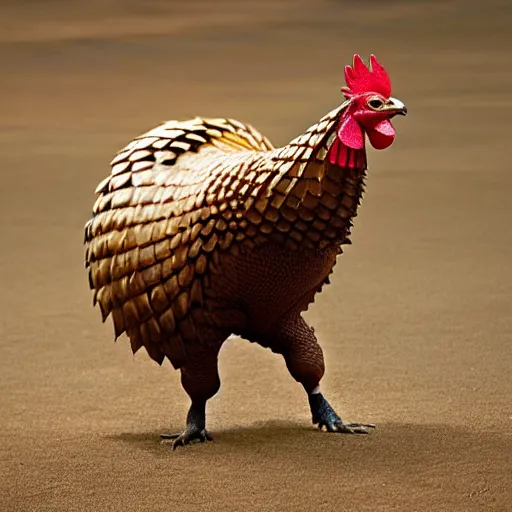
[(371, 106)]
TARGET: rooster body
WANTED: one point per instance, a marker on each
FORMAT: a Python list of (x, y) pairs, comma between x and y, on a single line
[(203, 229)]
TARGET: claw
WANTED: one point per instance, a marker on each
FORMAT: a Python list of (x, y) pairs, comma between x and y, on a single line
[(327, 419), (187, 437)]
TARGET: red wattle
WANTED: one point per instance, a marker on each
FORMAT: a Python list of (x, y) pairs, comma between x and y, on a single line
[(351, 133), (381, 135), (345, 157)]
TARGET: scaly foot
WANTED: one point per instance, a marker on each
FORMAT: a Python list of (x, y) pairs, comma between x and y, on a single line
[(325, 417), (196, 419), (187, 437)]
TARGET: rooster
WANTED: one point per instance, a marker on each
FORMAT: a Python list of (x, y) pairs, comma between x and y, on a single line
[(204, 230)]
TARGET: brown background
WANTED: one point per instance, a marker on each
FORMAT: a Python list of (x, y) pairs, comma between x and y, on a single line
[(416, 326)]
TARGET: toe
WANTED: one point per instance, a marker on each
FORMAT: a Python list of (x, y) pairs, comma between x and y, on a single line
[(182, 440), (365, 425), (346, 428), (178, 442), (355, 428), (169, 436)]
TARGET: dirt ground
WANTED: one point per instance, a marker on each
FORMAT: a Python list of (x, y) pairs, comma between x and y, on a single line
[(417, 323)]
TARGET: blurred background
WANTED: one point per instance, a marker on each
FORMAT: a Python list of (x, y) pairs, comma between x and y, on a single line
[(416, 326)]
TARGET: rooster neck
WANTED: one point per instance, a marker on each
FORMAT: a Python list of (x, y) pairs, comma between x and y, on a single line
[(317, 190), (332, 197), (298, 197)]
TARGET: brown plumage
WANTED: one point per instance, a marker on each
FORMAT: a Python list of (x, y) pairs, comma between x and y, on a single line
[(203, 229)]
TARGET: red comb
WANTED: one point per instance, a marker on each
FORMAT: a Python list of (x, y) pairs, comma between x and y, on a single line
[(361, 79)]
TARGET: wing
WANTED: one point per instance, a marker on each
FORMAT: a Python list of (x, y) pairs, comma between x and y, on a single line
[(173, 197)]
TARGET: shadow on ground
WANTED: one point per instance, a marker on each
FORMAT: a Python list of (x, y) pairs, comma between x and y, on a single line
[(411, 444)]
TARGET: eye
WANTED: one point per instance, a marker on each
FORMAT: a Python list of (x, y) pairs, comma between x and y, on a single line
[(375, 103)]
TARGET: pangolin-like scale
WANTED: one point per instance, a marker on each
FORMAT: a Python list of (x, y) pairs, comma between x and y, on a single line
[(203, 229)]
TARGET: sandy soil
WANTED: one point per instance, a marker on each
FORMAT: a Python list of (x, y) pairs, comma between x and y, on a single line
[(416, 326)]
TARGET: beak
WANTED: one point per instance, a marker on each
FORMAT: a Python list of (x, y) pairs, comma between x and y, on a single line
[(396, 107)]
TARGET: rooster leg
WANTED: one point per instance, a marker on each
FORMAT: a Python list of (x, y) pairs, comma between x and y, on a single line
[(200, 379), (296, 341), (196, 427)]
